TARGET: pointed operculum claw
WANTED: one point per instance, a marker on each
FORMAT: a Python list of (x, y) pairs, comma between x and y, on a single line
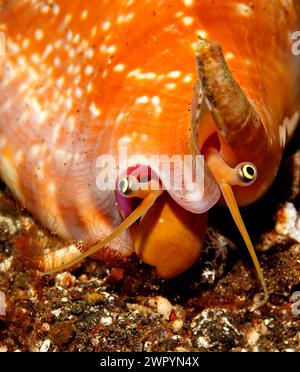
[(233, 113)]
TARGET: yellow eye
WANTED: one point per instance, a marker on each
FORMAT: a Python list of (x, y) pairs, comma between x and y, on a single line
[(247, 173), (124, 186)]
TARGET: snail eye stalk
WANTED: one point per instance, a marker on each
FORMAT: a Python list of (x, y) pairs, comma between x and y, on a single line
[(124, 186), (247, 173), (130, 187), (243, 175)]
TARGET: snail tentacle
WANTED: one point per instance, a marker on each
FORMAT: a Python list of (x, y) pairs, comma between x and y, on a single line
[(236, 215), (140, 211), (244, 174)]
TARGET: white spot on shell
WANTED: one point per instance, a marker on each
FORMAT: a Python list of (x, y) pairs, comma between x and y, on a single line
[(68, 103), (123, 18), (56, 61), (48, 50), (76, 38), (174, 74), (188, 3), (156, 103), (55, 9), (89, 53), (84, 14), (119, 67), (179, 14), (244, 9), (38, 34), (202, 33), (188, 21), (45, 9), (143, 100), (95, 111), (35, 58), (120, 117), (34, 151), (94, 31), (111, 49), (89, 87), (72, 53), (56, 133), (60, 82), (89, 70), (25, 43), (69, 35), (68, 18), (78, 92), (229, 56), (187, 79), (170, 86), (106, 25)]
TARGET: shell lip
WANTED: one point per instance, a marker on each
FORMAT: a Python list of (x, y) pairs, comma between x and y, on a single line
[(194, 188)]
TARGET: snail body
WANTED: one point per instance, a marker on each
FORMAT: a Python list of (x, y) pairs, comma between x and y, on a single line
[(80, 82)]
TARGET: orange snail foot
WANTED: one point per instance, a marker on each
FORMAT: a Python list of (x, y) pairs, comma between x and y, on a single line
[(170, 238)]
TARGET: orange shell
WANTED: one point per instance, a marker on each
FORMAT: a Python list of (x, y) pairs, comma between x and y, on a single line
[(81, 79)]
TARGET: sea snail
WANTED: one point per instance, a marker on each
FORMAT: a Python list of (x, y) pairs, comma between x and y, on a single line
[(81, 80)]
